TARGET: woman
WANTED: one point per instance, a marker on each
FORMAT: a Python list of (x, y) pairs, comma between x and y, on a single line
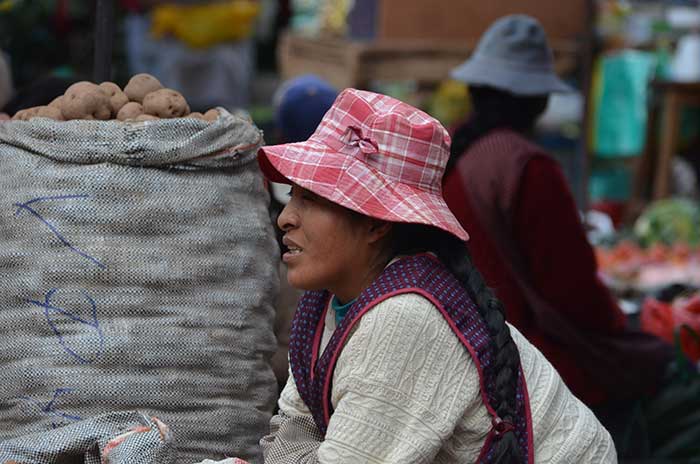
[(398, 351)]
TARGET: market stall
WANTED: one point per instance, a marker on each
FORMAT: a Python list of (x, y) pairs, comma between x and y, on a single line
[(644, 160), (373, 44)]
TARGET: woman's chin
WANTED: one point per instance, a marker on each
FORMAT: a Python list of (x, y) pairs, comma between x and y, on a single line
[(300, 282)]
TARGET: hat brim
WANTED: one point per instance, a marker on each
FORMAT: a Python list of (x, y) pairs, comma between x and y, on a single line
[(350, 182), (478, 71)]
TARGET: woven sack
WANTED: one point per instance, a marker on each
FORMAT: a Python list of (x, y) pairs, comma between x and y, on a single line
[(138, 270)]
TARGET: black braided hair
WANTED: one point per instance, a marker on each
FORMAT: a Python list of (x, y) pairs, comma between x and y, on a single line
[(410, 239)]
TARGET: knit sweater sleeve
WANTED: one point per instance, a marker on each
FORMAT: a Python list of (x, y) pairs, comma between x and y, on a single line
[(400, 387), (294, 437)]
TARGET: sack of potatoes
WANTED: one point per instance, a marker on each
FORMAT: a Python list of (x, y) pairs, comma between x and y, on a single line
[(139, 271), (143, 99)]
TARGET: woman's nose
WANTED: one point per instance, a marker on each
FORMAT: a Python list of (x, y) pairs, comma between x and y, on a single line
[(287, 218)]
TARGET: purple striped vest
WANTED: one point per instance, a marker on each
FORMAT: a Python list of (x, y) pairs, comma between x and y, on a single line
[(422, 274)]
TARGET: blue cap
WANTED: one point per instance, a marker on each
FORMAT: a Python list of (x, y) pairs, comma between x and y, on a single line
[(300, 105)]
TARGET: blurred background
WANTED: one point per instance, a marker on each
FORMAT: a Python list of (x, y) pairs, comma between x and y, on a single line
[(628, 138)]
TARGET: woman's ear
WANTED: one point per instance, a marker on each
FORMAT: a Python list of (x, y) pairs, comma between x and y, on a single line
[(378, 230)]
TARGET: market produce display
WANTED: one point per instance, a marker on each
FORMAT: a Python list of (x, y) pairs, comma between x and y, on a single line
[(143, 99), (663, 249), (629, 266)]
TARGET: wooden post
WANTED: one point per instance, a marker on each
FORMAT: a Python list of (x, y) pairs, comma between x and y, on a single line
[(104, 40), (670, 128), (587, 52)]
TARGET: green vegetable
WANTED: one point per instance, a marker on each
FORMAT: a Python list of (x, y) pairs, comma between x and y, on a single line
[(669, 221)]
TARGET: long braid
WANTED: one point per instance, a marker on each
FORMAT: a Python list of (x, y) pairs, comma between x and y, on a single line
[(453, 253), (505, 367)]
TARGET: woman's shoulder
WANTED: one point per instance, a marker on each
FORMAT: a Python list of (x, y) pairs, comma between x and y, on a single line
[(541, 377), (405, 315), (403, 326), (412, 303), (565, 430)]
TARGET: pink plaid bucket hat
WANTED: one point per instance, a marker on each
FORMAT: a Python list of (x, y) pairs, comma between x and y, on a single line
[(375, 155)]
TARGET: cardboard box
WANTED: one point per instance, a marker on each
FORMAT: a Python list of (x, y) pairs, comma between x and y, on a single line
[(352, 63), (356, 63), (460, 19)]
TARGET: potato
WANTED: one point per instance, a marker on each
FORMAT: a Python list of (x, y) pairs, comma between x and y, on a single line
[(57, 102), (212, 115), (130, 111), (85, 100), (145, 117), (50, 112), (196, 115), (141, 85), (117, 98), (25, 114), (165, 103)]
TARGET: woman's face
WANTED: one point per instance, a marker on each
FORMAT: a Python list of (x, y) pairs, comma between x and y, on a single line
[(327, 246)]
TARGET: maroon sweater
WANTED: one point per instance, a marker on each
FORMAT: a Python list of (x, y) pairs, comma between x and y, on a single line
[(527, 191)]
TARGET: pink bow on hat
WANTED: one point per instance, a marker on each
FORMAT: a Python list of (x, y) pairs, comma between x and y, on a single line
[(354, 138)]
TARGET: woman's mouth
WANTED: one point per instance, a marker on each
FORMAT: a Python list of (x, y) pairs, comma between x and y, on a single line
[(291, 253), (293, 249)]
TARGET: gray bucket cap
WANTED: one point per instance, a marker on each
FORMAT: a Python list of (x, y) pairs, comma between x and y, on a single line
[(513, 55)]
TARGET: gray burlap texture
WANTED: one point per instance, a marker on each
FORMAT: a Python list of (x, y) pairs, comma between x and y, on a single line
[(125, 437), (138, 268)]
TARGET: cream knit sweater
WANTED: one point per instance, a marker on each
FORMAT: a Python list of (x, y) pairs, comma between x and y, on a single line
[(406, 391)]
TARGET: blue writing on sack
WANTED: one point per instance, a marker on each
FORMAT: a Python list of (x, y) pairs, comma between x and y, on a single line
[(50, 310), (50, 407), (26, 207)]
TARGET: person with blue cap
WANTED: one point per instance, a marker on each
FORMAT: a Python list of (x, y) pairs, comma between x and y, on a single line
[(299, 105), (527, 238)]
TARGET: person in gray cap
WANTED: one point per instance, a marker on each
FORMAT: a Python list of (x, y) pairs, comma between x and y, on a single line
[(510, 76), (527, 238), (513, 55), (5, 86)]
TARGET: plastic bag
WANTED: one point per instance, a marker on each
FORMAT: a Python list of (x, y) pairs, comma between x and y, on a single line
[(681, 317), (620, 90)]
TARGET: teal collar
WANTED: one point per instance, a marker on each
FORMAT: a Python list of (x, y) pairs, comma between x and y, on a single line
[(340, 309)]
